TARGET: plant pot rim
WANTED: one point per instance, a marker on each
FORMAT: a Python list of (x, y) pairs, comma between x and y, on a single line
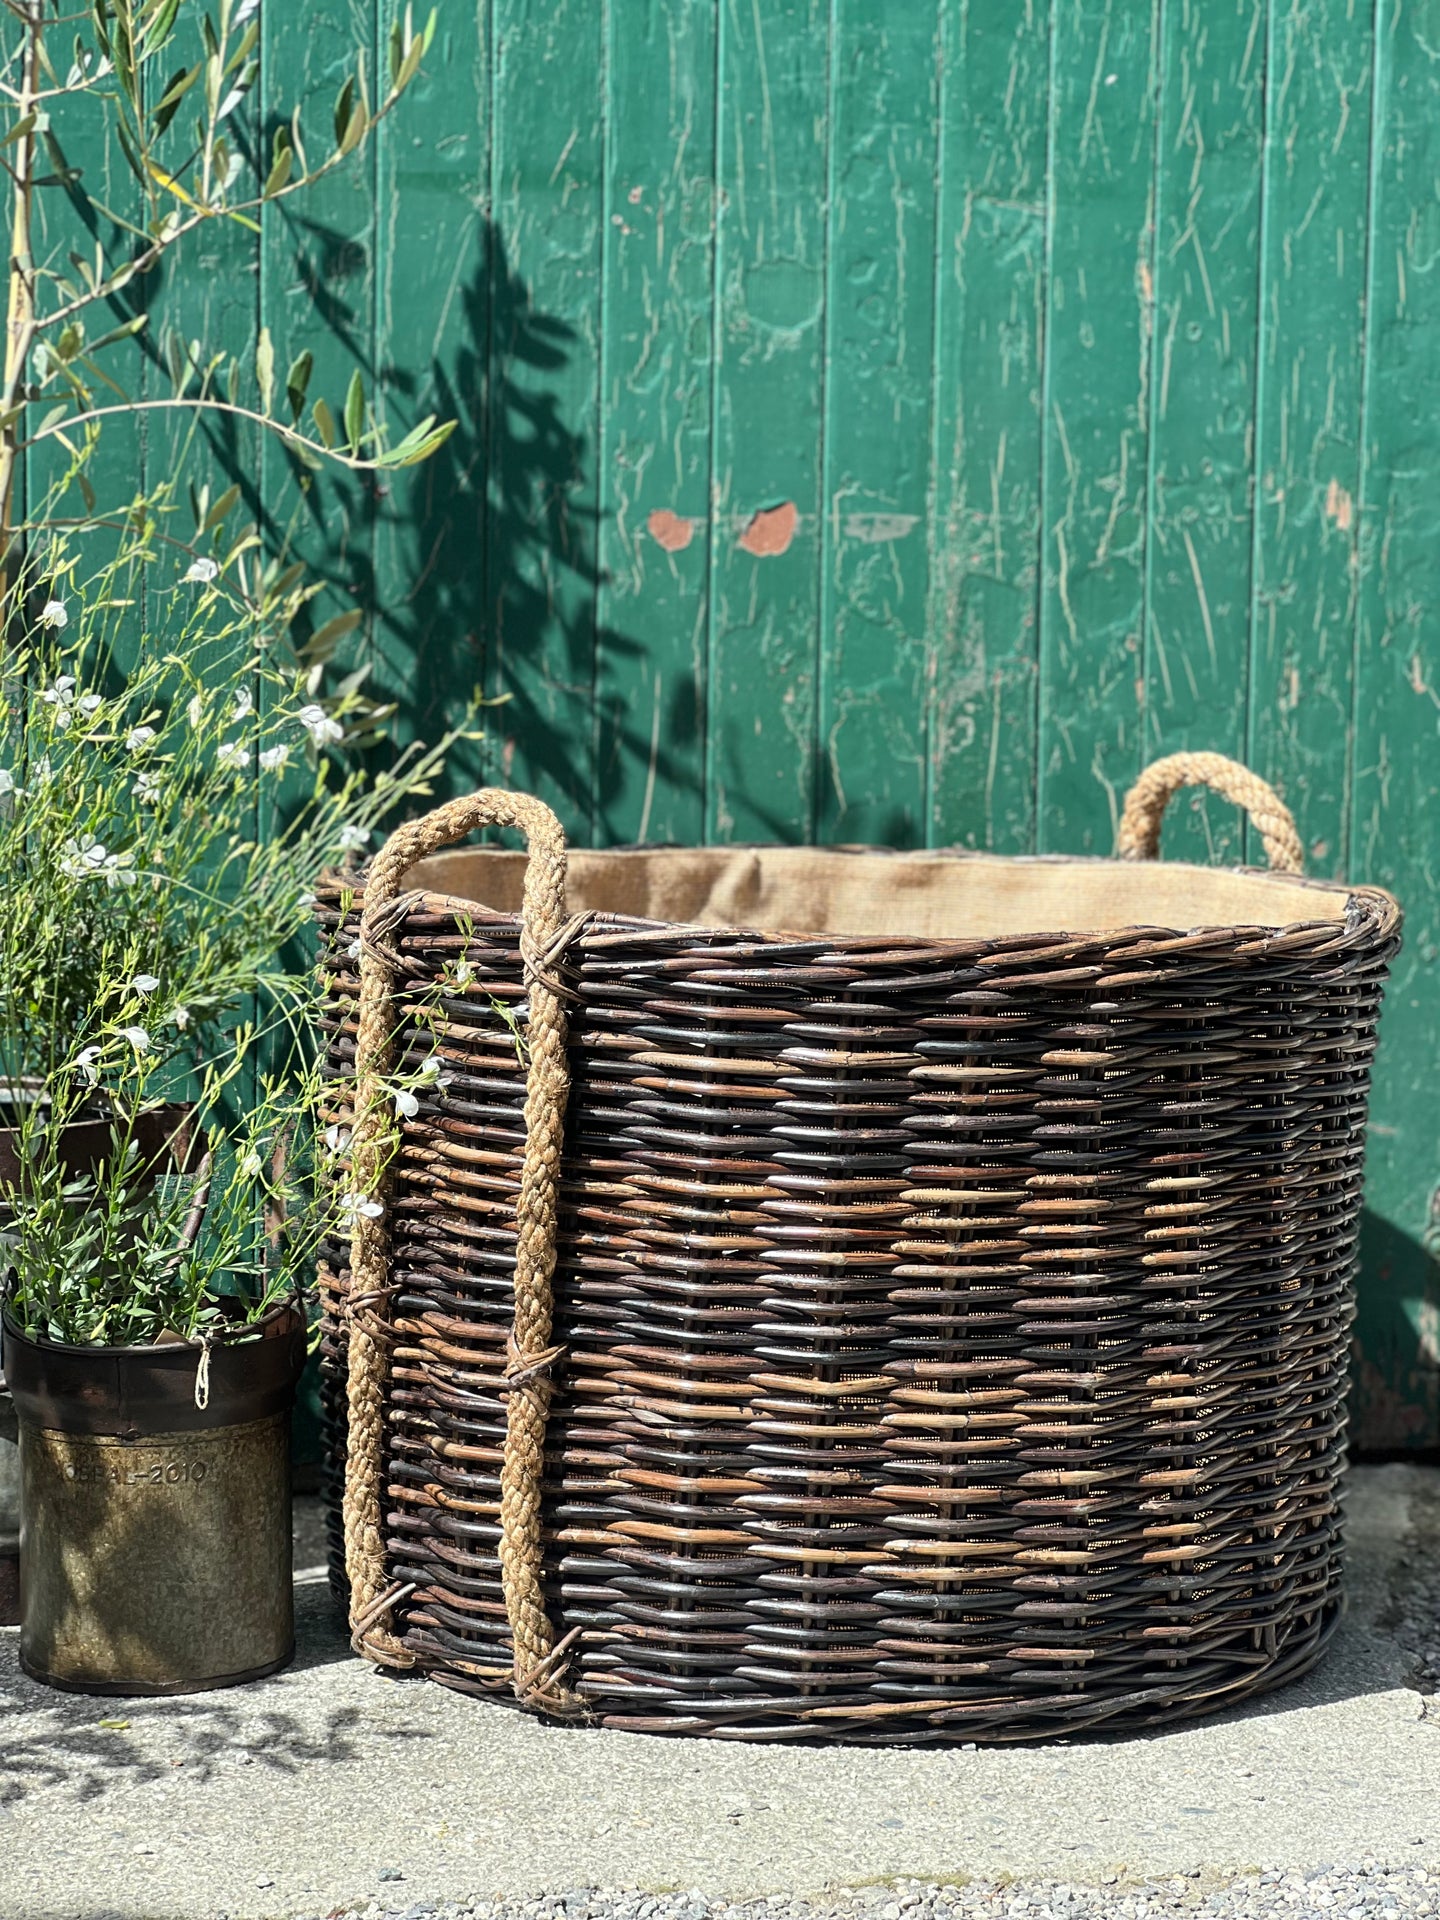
[(134, 1392), (240, 1333)]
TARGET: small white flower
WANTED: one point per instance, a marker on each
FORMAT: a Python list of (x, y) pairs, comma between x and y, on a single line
[(337, 1138), (144, 983), (202, 570), (462, 973), (244, 703), (353, 1205), (82, 859), (54, 614), (138, 1038), (352, 952), (195, 712), (146, 788), (273, 757), (181, 1018), (138, 738), (62, 698), (305, 900), (353, 838), (8, 787), (251, 1166), (233, 754), (406, 1104), (90, 703), (433, 1074), (44, 773), (118, 870), (320, 727), (85, 1064)]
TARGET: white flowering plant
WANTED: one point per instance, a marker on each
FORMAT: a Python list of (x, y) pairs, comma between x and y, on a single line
[(166, 809)]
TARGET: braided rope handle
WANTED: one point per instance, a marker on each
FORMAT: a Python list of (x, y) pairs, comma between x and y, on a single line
[(1138, 837), (542, 924)]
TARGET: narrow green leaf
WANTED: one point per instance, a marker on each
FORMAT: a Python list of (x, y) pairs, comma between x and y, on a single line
[(430, 444), (324, 425), (246, 47), (265, 368), (135, 324), (411, 65), (344, 108), (279, 175), (297, 381), (168, 105), (221, 507), (322, 643), (25, 124), (357, 129), (355, 411)]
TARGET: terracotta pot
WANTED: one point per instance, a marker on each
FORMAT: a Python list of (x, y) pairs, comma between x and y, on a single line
[(155, 1534)]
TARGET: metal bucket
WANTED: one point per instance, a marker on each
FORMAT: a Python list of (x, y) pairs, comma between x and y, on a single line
[(155, 1534)]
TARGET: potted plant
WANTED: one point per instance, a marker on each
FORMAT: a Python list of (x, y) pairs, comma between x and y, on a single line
[(163, 1176)]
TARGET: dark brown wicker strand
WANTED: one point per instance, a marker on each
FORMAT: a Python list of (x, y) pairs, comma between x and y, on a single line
[(955, 1332)]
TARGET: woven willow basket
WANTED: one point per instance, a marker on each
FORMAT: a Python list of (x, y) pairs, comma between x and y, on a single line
[(913, 1322)]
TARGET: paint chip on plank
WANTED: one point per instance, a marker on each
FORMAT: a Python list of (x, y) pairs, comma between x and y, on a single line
[(672, 531), (1339, 506), (771, 530), (873, 528)]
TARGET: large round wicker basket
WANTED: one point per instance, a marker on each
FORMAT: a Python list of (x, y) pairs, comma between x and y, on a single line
[(923, 1315)]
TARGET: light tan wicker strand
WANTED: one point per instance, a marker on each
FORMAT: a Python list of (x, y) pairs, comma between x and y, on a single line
[(1139, 834), (536, 1679)]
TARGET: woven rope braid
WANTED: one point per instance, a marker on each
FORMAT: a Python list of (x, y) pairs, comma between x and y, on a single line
[(1139, 834), (538, 1659)]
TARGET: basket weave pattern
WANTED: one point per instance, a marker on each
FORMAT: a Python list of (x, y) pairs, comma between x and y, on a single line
[(954, 1334)]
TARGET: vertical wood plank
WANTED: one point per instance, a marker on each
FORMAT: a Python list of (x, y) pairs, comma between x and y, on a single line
[(1099, 320), (1307, 413), (544, 455), (318, 295), (1397, 737), (987, 424), (871, 778), (655, 525), (774, 78), (1208, 172), (433, 258), (117, 470)]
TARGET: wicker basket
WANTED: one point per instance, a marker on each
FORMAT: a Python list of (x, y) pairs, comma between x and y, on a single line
[(945, 1318)]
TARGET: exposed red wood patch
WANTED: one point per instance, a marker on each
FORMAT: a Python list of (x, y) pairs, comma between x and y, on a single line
[(1339, 505), (670, 530), (770, 530)]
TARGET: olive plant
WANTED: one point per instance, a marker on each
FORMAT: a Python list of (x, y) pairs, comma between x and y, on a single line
[(169, 81)]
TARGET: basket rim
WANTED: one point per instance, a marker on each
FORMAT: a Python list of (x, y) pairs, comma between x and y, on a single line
[(1372, 913)]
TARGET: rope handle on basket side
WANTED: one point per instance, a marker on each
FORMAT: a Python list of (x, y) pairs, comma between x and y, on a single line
[(542, 931), (1138, 837)]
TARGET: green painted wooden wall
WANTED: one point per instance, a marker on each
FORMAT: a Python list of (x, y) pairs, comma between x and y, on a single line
[(898, 422)]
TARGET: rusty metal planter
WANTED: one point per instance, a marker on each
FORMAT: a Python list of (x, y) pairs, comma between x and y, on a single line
[(155, 1534), (950, 1314)]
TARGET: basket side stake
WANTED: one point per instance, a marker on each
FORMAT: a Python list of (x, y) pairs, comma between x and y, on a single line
[(544, 930)]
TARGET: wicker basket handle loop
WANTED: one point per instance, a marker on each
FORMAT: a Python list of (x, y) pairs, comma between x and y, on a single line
[(538, 1659), (1139, 834)]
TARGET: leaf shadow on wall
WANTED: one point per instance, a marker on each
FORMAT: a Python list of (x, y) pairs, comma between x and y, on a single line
[(496, 538)]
